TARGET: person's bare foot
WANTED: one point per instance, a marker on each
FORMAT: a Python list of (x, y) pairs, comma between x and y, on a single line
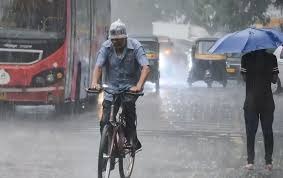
[(268, 167), (249, 167)]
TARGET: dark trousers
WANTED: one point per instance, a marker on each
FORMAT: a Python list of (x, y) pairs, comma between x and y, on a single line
[(129, 109), (251, 120)]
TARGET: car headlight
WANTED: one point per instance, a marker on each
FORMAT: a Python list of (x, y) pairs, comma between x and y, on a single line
[(167, 51)]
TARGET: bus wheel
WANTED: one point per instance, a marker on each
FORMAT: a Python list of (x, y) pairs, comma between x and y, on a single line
[(224, 83), (209, 84)]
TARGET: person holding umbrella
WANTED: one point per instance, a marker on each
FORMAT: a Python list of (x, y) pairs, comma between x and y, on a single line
[(259, 69)]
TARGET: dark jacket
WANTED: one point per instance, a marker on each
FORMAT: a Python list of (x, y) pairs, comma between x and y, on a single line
[(259, 68)]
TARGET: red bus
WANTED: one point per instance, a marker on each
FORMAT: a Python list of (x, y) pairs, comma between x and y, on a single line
[(48, 47)]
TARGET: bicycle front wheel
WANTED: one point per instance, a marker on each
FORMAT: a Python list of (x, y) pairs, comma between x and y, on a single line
[(127, 160), (104, 157)]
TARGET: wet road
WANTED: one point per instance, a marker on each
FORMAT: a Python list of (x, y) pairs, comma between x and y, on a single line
[(186, 133)]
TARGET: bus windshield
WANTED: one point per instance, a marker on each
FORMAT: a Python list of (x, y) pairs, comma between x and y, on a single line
[(204, 46), (32, 18)]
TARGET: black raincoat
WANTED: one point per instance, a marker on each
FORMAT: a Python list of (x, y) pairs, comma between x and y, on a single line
[(259, 68)]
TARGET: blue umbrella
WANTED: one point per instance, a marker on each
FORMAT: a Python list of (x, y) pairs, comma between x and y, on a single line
[(247, 40)]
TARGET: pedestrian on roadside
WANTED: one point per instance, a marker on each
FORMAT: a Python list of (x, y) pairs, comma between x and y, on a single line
[(259, 69)]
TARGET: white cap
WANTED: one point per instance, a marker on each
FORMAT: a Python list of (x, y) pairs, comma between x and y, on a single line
[(117, 30)]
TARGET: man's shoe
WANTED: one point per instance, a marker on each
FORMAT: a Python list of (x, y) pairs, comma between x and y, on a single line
[(268, 167), (249, 167)]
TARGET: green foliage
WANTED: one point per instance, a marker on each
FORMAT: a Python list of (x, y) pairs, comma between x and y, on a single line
[(279, 3), (230, 15), (215, 15)]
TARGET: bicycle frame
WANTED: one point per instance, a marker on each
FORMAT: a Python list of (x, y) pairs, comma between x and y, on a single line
[(118, 135), (117, 147)]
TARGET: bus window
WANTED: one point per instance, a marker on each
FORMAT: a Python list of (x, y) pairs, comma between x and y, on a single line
[(37, 24), (83, 36), (39, 15), (83, 28), (83, 17)]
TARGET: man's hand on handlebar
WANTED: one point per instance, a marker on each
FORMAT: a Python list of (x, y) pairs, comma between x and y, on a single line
[(96, 86), (136, 89)]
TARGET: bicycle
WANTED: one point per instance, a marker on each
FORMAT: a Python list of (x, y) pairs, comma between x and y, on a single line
[(120, 147)]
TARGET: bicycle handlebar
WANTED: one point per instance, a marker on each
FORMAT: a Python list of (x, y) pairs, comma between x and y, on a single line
[(95, 91), (92, 90)]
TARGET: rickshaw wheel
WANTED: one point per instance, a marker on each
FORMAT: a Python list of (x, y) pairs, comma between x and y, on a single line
[(189, 81), (224, 83), (209, 84)]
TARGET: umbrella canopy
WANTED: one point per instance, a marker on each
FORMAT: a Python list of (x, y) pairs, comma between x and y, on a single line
[(247, 40)]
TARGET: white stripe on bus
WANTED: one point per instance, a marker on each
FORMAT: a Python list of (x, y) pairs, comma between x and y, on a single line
[(30, 89)]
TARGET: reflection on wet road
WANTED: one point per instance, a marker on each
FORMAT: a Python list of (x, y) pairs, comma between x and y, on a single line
[(186, 133)]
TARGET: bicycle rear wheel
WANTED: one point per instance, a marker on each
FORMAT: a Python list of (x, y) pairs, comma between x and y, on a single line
[(127, 160), (104, 158)]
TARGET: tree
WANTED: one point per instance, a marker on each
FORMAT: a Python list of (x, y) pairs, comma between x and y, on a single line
[(230, 15), (278, 3), (214, 15)]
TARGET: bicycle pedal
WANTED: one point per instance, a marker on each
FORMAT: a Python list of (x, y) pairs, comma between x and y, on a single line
[(128, 147), (105, 156)]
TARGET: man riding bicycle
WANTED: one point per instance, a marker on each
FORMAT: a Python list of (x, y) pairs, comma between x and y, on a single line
[(126, 68)]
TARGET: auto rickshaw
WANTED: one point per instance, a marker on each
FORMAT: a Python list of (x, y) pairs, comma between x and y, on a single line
[(233, 66), (165, 45), (151, 46), (205, 66)]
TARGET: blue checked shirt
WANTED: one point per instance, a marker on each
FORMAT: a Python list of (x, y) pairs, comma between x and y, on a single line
[(121, 72)]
